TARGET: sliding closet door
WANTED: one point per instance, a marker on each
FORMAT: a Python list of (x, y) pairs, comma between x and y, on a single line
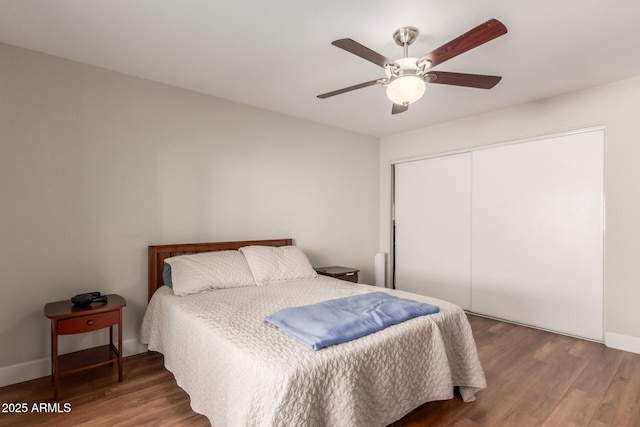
[(432, 227), (537, 253)]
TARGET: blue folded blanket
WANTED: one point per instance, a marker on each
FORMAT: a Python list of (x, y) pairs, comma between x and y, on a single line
[(345, 319)]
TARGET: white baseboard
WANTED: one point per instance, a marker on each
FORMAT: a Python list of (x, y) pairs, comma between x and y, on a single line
[(622, 342), (42, 367), (24, 371)]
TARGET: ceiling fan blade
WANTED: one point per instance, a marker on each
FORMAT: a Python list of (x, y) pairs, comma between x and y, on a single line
[(348, 89), (479, 81), (471, 39), (399, 108), (364, 52)]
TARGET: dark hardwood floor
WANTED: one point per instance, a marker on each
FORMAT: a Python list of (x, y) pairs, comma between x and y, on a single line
[(535, 378)]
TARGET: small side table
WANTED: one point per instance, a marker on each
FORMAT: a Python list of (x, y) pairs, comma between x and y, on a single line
[(67, 319), (343, 273)]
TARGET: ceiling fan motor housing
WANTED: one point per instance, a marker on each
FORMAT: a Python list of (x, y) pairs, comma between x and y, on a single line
[(408, 67)]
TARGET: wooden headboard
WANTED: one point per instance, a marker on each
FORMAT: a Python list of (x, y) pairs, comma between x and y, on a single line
[(158, 253)]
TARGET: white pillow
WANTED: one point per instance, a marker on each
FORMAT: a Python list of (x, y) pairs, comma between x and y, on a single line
[(271, 264), (195, 273)]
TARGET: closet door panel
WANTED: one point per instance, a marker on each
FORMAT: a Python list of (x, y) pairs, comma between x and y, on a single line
[(432, 201), (537, 233)]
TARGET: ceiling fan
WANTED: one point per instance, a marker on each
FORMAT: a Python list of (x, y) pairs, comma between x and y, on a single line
[(406, 78)]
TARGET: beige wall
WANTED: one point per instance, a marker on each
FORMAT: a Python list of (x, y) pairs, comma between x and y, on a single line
[(96, 165), (615, 106)]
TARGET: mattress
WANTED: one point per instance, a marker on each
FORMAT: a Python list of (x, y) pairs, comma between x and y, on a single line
[(240, 371)]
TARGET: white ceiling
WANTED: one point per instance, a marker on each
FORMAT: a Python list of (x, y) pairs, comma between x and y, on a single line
[(278, 55)]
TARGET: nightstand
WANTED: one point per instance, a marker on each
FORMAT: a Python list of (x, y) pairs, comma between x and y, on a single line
[(343, 273), (67, 319)]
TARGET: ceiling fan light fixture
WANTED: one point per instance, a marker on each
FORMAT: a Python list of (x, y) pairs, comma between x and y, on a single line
[(406, 89)]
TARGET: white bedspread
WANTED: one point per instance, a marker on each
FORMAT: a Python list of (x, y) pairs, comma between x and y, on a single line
[(240, 371)]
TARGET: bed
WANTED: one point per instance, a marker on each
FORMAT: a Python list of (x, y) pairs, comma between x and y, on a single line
[(240, 371)]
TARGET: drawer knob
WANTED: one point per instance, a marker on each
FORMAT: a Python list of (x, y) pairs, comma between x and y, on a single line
[(90, 322)]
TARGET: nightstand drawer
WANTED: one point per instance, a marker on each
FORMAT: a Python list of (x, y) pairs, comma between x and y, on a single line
[(91, 322)]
